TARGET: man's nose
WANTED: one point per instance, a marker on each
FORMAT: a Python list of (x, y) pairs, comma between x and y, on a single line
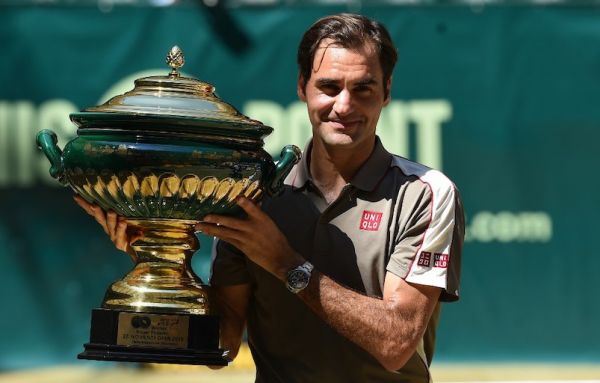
[(343, 103)]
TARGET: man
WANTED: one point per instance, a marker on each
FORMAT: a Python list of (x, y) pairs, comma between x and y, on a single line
[(339, 279)]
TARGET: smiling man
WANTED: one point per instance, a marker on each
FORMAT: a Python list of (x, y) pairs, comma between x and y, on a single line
[(339, 279)]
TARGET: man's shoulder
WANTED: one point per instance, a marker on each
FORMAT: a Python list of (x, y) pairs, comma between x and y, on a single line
[(431, 178)]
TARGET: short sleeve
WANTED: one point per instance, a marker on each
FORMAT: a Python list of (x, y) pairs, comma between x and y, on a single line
[(229, 266), (428, 249)]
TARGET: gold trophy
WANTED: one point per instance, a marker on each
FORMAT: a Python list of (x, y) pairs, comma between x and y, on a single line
[(163, 155)]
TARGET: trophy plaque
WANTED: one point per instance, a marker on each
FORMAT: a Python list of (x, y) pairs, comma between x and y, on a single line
[(164, 155)]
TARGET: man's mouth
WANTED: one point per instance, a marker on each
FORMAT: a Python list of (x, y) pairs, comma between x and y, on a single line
[(344, 124)]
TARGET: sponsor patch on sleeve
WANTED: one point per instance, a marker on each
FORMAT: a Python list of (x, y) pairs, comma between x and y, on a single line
[(424, 259), (439, 260)]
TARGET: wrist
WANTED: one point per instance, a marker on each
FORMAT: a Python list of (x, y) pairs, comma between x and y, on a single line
[(299, 277), (295, 260)]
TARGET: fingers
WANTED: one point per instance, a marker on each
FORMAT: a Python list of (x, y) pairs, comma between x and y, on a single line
[(100, 217), (111, 223), (249, 207), (230, 222), (84, 204), (237, 231), (222, 232), (121, 241), (93, 210), (123, 237), (252, 210), (137, 235)]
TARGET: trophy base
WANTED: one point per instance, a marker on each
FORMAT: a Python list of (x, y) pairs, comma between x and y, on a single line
[(150, 355), (178, 338)]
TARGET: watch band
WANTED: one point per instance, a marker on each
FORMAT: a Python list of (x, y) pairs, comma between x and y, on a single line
[(307, 266)]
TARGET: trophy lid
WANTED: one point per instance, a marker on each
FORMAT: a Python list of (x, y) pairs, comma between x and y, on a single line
[(175, 103)]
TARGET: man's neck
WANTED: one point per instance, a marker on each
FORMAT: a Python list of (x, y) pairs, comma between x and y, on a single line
[(333, 168)]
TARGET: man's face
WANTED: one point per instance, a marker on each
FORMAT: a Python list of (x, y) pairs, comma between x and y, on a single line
[(344, 96)]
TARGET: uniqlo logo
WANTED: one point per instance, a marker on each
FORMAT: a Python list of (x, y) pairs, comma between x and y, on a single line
[(440, 260), (424, 259), (370, 220)]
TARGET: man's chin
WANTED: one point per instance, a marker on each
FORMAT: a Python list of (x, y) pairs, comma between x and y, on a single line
[(339, 140)]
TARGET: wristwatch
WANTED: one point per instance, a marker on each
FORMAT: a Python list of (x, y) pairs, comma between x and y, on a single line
[(298, 277)]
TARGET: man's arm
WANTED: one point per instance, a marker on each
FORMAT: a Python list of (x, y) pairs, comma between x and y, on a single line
[(388, 328)]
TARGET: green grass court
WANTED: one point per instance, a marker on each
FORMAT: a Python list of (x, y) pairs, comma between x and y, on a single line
[(242, 371)]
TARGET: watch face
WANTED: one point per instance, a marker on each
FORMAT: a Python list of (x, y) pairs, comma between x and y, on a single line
[(298, 279)]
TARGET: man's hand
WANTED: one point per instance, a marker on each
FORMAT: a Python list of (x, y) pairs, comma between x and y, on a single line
[(257, 236), (115, 226)]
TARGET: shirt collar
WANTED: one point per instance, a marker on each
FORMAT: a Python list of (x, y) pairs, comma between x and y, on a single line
[(367, 177)]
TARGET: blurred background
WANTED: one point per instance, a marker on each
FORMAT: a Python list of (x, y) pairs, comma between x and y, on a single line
[(503, 96)]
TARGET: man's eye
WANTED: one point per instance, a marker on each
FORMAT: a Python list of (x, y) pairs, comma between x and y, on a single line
[(330, 89), (363, 89)]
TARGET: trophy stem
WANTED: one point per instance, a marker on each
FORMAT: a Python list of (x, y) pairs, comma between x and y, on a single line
[(162, 279), (159, 312)]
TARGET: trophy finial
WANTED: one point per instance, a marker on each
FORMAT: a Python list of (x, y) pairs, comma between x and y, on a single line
[(175, 60)]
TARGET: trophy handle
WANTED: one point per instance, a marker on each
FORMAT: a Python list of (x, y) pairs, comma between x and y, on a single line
[(290, 155), (47, 142)]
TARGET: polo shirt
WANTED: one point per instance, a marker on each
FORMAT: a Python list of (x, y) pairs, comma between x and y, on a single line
[(394, 216)]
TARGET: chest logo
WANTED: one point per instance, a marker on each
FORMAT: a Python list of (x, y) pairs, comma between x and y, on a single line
[(370, 220)]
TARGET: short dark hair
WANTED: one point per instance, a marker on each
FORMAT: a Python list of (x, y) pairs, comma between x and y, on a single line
[(348, 31)]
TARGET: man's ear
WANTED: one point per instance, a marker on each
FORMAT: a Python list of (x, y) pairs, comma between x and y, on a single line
[(388, 92), (301, 86)]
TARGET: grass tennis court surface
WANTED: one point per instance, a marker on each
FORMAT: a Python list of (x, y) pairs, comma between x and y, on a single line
[(242, 371)]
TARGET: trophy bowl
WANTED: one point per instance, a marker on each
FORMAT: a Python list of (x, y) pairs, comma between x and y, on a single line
[(162, 156)]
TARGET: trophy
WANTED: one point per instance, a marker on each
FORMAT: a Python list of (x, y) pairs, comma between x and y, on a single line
[(164, 155)]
